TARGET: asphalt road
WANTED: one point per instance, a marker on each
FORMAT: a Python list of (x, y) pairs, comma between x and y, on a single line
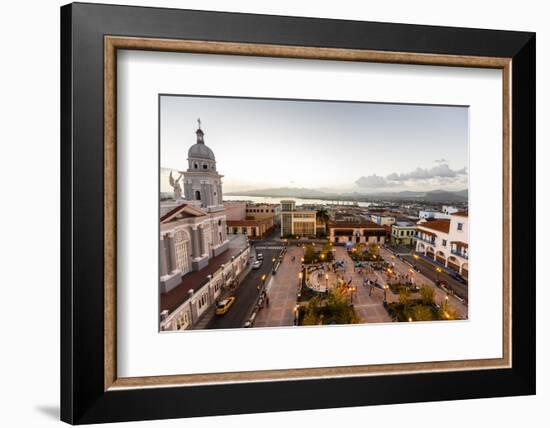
[(427, 269), (247, 292)]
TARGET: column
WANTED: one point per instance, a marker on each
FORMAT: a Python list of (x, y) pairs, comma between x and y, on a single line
[(202, 242), (195, 242), (163, 261), (172, 266)]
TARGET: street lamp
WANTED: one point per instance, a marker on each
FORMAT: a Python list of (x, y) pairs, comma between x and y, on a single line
[(438, 270), (386, 294)]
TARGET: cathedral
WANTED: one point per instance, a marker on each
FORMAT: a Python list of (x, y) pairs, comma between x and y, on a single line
[(192, 230)]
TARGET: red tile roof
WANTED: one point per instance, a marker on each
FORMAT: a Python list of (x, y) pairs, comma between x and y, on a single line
[(461, 213), (441, 225)]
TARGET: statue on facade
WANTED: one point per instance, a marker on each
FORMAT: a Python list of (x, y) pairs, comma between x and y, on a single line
[(176, 185)]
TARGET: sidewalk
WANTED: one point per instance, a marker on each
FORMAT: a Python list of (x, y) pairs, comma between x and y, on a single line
[(282, 292)]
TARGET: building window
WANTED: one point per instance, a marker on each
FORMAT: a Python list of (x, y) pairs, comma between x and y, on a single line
[(197, 195), (196, 166), (205, 166), (459, 226), (444, 242)]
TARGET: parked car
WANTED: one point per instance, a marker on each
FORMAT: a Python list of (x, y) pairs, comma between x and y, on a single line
[(223, 306), (257, 264)]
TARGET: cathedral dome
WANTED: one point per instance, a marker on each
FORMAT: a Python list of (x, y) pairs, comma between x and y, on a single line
[(199, 149)]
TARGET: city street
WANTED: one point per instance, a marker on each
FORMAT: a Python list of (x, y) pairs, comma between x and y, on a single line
[(247, 292), (428, 270)]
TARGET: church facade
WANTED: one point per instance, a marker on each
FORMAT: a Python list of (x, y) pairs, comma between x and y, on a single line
[(193, 240)]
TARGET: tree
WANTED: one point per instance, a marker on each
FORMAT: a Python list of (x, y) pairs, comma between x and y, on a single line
[(427, 294), (322, 216), (311, 315), (422, 313), (309, 254), (336, 310), (373, 248), (404, 296)]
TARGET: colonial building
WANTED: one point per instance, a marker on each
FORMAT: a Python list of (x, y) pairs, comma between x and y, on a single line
[(195, 253), (252, 228), (357, 232), (403, 232), (383, 219), (297, 223), (264, 210), (252, 220), (445, 241)]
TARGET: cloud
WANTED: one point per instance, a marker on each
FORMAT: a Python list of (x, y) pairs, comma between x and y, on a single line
[(441, 174), (373, 181), (438, 171), (442, 160)]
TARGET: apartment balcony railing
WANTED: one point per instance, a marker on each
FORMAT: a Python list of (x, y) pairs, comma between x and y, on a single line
[(427, 240), (460, 254)]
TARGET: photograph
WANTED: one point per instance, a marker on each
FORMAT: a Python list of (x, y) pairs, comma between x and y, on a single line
[(294, 213)]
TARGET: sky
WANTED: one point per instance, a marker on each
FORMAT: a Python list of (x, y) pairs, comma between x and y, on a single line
[(323, 145)]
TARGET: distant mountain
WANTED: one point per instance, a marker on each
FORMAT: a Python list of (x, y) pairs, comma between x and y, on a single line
[(284, 192), (440, 196)]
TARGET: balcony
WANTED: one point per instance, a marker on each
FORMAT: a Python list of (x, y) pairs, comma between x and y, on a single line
[(430, 241), (458, 253)]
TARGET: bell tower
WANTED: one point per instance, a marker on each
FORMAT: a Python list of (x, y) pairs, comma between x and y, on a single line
[(202, 183)]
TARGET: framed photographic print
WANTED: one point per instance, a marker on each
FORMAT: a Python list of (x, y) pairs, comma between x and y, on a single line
[(274, 213)]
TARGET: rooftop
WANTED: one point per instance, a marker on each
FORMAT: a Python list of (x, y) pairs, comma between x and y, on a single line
[(440, 225), (364, 224)]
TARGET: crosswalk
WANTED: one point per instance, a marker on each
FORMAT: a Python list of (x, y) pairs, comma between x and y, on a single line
[(280, 247)]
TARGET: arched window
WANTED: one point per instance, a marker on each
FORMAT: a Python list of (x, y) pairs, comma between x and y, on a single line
[(205, 166), (197, 195)]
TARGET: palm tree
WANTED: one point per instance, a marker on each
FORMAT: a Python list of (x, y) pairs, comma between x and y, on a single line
[(322, 216)]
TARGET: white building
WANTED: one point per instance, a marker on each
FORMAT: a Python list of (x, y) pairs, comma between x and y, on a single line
[(196, 259), (382, 219), (445, 241), (430, 215)]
